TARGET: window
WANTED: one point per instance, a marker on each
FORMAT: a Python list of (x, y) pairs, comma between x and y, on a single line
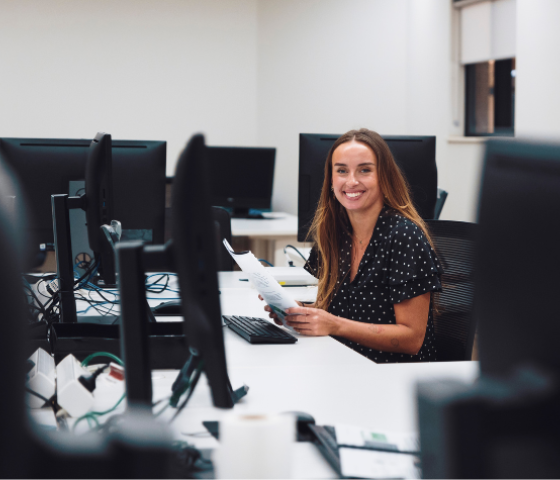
[(487, 51), (490, 98)]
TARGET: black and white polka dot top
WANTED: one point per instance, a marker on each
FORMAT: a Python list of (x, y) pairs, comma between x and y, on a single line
[(398, 264)]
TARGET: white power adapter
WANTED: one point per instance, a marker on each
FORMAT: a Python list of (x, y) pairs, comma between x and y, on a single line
[(41, 379), (72, 396)]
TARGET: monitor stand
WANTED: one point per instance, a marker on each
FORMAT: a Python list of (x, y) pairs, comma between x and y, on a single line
[(244, 213)]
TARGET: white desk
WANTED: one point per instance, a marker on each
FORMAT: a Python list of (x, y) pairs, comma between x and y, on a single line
[(316, 375), (267, 238)]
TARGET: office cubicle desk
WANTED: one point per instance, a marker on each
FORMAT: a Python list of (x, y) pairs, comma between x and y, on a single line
[(267, 238), (317, 375)]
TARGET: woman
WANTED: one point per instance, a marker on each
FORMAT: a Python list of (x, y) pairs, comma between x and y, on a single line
[(372, 256)]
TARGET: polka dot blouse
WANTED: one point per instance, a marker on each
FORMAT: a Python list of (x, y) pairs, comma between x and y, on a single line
[(398, 264)]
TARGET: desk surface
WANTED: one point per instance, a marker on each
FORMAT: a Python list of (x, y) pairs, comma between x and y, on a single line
[(317, 375), (277, 224)]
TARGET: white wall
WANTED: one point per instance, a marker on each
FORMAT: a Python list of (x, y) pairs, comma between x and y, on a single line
[(430, 98), (252, 72), (538, 68), (327, 66), (138, 69)]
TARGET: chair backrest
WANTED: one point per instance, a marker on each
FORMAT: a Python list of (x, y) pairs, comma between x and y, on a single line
[(222, 222), (440, 202), (453, 307)]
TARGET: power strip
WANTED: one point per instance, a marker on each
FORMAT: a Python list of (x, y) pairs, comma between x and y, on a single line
[(72, 396), (41, 379)]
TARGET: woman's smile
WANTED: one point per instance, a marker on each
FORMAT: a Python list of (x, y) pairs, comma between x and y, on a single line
[(354, 179)]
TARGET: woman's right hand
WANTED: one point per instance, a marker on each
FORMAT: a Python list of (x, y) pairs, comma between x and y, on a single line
[(272, 315)]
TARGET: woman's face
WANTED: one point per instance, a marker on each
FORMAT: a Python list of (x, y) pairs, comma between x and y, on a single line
[(354, 177)]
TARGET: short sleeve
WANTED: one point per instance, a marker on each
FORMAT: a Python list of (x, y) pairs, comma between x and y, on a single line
[(312, 264), (412, 267)]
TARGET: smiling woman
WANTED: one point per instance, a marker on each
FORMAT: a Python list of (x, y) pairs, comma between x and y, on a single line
[(373, 257)]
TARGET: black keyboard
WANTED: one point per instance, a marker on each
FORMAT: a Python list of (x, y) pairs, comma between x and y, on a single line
[(257, 330)]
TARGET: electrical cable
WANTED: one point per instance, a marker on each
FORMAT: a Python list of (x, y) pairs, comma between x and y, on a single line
[(298, 252), (86, 360), (190, 388), (151, 287), (265, 261), (38, 395), (93, 416)]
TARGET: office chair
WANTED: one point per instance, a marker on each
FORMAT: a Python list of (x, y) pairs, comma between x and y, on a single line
[(453, 313), (222, 222), (440, 201)]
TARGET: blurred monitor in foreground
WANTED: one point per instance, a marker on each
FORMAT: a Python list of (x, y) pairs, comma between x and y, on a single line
[(196, 264), (506, 425)]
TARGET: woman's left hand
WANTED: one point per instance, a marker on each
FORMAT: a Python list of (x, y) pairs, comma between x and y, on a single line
[(311, 321)]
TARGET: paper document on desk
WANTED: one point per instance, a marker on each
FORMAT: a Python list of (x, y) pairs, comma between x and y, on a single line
[(367, 438), (264, 283)]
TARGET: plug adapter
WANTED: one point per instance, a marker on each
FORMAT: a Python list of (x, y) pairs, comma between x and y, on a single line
[(41, 379), (71, 393)]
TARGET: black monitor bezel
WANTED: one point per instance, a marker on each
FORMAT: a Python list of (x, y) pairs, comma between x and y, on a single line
[(126, 196)]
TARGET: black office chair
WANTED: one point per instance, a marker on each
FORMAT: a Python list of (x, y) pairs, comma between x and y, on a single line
[(440, 201), (453, 313), (222, 222)]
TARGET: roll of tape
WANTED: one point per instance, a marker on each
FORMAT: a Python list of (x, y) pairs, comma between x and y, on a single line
[(255, 446)]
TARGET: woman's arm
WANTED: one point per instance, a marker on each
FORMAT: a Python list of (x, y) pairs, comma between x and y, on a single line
[(407, 336)]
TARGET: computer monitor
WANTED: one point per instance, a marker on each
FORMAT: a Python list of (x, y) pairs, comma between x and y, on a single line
[(99, 188), (47, 167), (502, 425), (415, 155), (99, 202), (195, 260), (517, 257), (242, 178), (12, 340), (192, 254)]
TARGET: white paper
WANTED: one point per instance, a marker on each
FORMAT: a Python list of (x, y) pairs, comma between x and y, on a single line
[(368, 438), (355, 462), (265, 284)]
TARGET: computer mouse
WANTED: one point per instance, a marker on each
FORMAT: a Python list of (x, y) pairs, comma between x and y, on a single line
[(172, 307), (303, 420)]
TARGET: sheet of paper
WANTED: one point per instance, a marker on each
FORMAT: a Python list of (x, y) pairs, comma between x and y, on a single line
[(264, 283), (359, 463), (369, 438)]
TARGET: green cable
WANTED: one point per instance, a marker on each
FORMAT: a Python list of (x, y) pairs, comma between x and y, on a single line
[(102, 354), (111, 409), (89, 417), (92, 416)]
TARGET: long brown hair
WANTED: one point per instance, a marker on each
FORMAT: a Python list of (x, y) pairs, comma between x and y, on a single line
[(331, 220)]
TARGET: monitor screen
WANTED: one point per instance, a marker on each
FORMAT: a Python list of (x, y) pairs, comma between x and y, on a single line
[(517, 257), (196, 265), (241, 178), (415, 155), (57, 166)]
